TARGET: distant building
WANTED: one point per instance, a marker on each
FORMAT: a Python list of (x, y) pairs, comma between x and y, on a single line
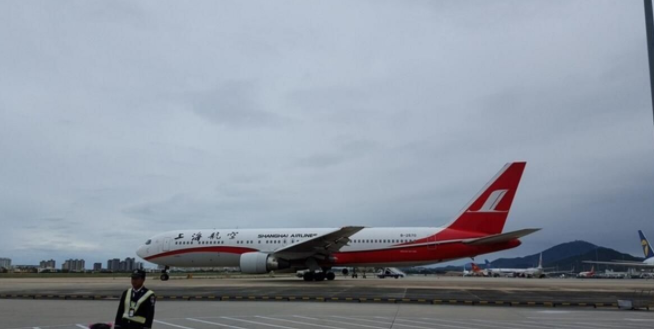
[(48, 264), (130, 264), (74, 265), (127, 265), (113, 265), (5, 263), (97, 267)]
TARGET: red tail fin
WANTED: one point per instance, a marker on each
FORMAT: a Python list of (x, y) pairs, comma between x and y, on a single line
[(487, 212), (475, 268)]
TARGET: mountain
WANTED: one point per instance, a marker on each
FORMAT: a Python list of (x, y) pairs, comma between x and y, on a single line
[(550, 256), (599, 254), (567, 256)]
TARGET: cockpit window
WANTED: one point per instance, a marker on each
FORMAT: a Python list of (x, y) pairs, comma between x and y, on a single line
[(148, 242)]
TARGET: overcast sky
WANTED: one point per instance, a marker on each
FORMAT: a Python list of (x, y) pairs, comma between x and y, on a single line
[(123, 119)]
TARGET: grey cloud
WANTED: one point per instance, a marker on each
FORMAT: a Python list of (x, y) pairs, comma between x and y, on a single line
[(348, 149), (119, 120), (235, 103)]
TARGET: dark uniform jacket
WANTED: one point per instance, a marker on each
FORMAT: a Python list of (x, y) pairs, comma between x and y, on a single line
[(142, 304)]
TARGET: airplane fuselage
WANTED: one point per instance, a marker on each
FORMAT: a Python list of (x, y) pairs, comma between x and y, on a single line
[(375, 247)]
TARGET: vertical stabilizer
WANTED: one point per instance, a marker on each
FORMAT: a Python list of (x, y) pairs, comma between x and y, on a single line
[(488, 210), (647, 249)]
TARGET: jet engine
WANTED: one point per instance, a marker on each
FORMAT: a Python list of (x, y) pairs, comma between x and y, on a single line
[(260, 263)]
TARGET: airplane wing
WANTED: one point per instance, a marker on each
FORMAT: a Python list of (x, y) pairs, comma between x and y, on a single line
[(627, 264), (320, 246)]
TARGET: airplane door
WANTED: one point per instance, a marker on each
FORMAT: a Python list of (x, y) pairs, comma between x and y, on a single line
[(166, 244), (433, 246)]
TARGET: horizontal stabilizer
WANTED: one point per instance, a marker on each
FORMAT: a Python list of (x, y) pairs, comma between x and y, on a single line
[(497, 238)]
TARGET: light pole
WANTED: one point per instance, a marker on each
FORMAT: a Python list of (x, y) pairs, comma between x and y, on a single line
[(649, 27)]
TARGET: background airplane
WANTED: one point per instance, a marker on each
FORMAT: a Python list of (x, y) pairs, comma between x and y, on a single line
[(531, 272), (647, 251), (588, 274), (475, 231)]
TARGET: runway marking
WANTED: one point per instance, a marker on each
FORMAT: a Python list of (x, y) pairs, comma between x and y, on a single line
[(466, 323), (643, 320), (256, 322), (597, 325), (214, 323), (298, 322), (341, 322), (437, 324), (569, 325), (406, 325), (171, 324), (521, 325), (81, 326)]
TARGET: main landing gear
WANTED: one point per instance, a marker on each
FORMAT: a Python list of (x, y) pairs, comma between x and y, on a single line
[(164, 274), (318, 276)]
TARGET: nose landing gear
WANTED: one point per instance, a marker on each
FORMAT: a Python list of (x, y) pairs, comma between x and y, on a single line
[(164, 274)]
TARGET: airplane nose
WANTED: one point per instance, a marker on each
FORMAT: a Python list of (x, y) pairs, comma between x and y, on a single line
[(142, 252)]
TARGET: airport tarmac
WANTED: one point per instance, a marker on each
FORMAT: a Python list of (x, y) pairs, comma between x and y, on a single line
[(413, 289), (47, 314)]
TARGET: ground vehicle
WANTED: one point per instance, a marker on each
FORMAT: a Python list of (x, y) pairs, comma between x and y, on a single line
[(389, 274)]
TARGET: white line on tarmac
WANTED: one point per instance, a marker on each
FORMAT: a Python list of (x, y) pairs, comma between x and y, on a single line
[(526, 325), (256, 322), (596, 325), (561, 325), (644, 320), (81, 326), (405, 325), (341, 322), (500, 326), (437, 324), (298, 322), (214, 323), (573, 318), (172, 325)]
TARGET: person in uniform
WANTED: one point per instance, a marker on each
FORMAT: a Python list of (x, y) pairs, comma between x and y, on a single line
[(136, 308)]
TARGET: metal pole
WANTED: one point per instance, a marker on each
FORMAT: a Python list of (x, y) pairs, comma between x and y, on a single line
[(649, 24)]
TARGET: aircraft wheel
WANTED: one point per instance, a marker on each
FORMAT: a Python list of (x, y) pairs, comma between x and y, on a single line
[(331, 276), (319, 276), (308, 276), (164, 277)]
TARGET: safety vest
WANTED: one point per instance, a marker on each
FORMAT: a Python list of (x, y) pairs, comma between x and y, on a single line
[(133, 306)]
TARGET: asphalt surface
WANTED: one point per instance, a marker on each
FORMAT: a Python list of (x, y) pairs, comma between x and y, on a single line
[(47, 314), (428, 290)]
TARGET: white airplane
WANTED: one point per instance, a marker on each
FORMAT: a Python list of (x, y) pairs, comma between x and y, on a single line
[(475, 231), (647, 251), (531, 272)]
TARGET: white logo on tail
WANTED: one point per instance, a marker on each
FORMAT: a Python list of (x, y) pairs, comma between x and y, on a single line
[(493, 201)]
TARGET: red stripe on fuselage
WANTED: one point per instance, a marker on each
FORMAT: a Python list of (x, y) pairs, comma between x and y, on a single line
[(409, 254), (221, 249), (420, 254)]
